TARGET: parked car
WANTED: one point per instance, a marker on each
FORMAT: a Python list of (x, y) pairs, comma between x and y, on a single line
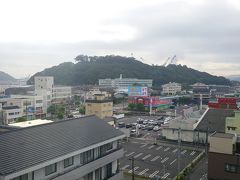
[(149, 128), (156, 128), (133, 131), (145, 122), (121, 124), (128, 125)]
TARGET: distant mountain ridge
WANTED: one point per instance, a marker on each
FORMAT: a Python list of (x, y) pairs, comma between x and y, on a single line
[(88, 69), (4, 77), (234, 77)]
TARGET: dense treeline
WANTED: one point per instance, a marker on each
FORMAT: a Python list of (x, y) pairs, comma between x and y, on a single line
[(88, 69)]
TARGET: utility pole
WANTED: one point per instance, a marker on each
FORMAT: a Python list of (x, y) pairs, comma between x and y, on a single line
[(179, 149), (132, 168)]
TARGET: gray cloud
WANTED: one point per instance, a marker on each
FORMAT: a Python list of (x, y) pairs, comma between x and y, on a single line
[(205, 37)]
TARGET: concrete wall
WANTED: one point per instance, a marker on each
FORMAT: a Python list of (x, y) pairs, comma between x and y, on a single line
[(101, 110), (221, 145), (233, 122), (92, 166)]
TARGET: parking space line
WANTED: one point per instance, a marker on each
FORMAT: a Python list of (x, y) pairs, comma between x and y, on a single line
[(130, 154), (154, 159), (147, 156), (173, 161), (134, 169), (125, 167), (159, 148), (165, 159), (183, 152), (142, 146), (151, 147), (143, 172), (153, 174), (192, 153), (165, 175), (138, 155), (166, 149), (175, 150)]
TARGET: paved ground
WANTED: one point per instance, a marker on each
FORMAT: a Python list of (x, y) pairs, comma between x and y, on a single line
[(155, 160), (200, 170)]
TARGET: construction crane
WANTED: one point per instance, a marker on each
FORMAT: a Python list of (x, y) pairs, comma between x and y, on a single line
[(166, 62), (170, 60)]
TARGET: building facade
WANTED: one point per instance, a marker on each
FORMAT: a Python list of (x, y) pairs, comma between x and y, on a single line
[(100, 106), (61, 94), (171, 88), (49, 152), (124, 83), (225, 150)]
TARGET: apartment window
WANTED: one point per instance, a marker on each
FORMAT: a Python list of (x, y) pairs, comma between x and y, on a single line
[(50, 169), (39, 101), (231, 168), (87, 156), (109, 170), (23, 177), (68, 162), (98, 174), (106, 148), (88, 176), (231, 128)]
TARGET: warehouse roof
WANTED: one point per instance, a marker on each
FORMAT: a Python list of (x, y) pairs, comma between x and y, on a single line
[(26, 147)]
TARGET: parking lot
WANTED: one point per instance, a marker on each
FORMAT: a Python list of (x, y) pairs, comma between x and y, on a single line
[(155, 160)]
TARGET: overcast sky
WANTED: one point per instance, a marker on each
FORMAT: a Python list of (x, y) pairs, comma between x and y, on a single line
[(203, 34)]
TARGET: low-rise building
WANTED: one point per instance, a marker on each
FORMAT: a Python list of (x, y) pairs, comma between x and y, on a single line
[(201, 90), (171, 88), (100, 106), (123, 83), (223, 157), (60, 94), (76, 149), (9, 114)]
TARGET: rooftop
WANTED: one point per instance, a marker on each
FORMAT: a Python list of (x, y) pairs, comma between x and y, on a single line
[(30, 123), (223, 135), (10, 107), (31, 146), (214, 119)]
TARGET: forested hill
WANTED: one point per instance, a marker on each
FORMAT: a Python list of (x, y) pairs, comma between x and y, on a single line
[(6, 77), (88, 69)]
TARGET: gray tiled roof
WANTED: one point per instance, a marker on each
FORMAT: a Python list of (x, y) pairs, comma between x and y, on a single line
[(30, 146), (216, 120)]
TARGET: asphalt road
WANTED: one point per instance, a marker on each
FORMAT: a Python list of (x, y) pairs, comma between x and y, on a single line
[(155, 160)]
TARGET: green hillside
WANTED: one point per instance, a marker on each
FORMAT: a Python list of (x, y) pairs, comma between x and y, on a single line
[(88, 69)]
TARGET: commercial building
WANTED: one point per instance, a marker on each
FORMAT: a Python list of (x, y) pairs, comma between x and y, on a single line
[(171, 88), (201, 90), (9, 114), (44, 86), (61, 94), (76, 149), (223, 157), (123, 83), (101, 106), (225, 103)]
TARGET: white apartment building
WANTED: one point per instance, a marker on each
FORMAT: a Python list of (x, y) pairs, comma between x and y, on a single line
[(123, 83), (171, 88), (63, 150), (44, 86)]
